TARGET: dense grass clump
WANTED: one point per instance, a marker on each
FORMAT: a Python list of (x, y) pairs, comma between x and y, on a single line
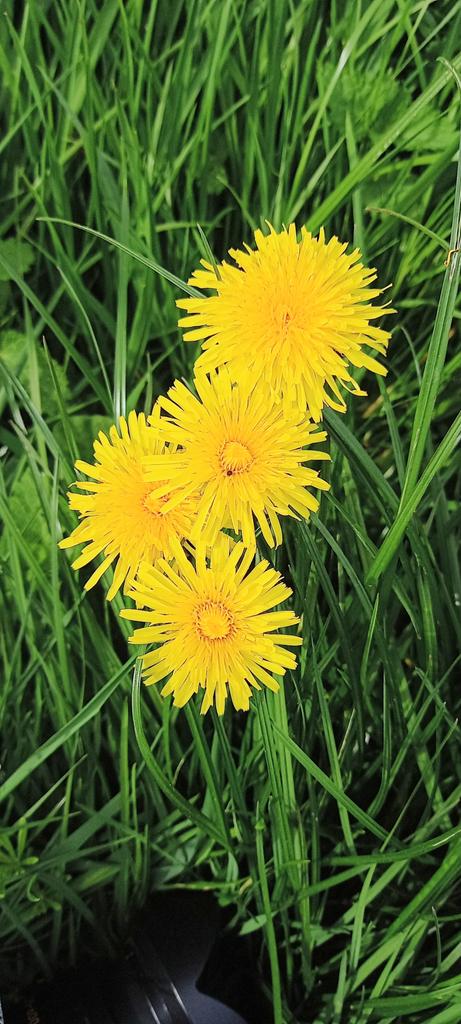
[(326, 819)]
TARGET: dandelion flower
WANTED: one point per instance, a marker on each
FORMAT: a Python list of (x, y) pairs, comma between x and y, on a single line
[(296, 314), (213, 626), (119, 516), (242, 453)]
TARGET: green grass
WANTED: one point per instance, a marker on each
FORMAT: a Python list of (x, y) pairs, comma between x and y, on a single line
[(328, 818)]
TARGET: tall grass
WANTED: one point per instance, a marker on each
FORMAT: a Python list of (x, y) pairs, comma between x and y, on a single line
[(327, 819)]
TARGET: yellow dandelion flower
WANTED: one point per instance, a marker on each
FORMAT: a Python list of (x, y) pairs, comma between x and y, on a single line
[(213, 626), (242, 452), (120, 517), (294, 313)]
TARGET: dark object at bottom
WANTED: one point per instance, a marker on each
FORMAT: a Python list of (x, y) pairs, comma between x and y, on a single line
[(156, 982)]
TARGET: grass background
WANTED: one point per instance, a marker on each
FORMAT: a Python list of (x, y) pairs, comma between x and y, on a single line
[(327, 819)]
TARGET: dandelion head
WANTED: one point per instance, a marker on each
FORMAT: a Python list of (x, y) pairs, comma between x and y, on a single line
[(213, 625), (241, 452), (120, 516), (297, 314)]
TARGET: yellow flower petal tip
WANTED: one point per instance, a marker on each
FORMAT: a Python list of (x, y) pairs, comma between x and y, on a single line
[(120, 518), (213, 627), (295, 312), (242, 452)]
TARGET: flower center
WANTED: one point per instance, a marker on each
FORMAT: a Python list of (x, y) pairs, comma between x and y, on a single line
[(154, 504), (283, 320), (287, 317), (235, 457), (213, 621)]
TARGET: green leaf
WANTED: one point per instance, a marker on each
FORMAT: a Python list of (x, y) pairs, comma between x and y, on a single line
[(20, 255)]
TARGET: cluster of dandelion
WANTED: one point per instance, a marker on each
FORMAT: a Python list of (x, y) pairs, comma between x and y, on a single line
[(174, 501)]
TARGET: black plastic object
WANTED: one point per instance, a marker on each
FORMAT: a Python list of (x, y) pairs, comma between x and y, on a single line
[(156, 982)]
